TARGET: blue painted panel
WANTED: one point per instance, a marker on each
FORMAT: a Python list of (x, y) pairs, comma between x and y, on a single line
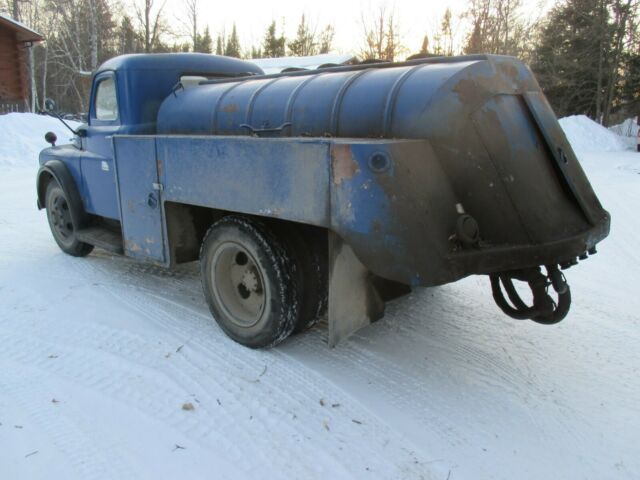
[(140, 203), (284, 178)]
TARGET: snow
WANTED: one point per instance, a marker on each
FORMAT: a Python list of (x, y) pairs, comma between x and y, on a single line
[(585, 135), (276, 65), (100, 353), (628, 131), (628, 128), (22, 137)]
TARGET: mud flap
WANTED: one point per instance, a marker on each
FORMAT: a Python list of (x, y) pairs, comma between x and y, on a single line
[(353, 300)]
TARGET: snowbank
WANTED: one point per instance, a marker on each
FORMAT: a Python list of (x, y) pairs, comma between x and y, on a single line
[(22, 137), (628, 131), (585, 135), (628, 128)]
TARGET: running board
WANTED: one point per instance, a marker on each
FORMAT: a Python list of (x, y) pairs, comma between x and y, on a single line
[(101, 237)]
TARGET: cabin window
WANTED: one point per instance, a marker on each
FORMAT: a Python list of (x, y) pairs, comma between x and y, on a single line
[(106, 101)]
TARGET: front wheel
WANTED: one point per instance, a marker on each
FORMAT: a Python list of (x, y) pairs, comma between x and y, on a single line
[(250, 282), (61, 222)]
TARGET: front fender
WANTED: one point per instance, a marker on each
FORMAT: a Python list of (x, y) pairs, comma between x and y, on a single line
[(58, 171)]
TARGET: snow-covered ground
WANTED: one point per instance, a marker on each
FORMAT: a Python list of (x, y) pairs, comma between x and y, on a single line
[(99, 356)]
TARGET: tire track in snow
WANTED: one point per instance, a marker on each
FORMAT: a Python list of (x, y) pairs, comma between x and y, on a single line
[(91, 456), (281, 378), (445, 353)]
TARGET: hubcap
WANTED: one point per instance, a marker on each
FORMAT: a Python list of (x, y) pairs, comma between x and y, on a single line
[(238, 284), (60, 218)]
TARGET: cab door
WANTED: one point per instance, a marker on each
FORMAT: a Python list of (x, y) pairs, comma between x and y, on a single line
[(97, 159)]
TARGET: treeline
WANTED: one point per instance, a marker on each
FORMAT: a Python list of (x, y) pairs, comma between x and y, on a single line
[(585, 53)]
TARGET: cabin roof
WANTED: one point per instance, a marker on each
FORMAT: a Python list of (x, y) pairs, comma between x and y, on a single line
[(23, 33)]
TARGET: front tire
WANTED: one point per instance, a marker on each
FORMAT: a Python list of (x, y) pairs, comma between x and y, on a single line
[(250, 282), (61, 222)]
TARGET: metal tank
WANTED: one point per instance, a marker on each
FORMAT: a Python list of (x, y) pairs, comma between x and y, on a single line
[(484, 116), (493, 186)]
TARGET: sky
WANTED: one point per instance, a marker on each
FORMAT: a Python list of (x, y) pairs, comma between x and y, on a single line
[(252, 17)]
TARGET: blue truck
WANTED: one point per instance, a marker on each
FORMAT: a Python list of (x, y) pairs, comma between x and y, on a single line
[(322, 194)]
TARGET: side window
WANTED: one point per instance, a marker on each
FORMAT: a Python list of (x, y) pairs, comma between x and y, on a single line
[(106, 100)]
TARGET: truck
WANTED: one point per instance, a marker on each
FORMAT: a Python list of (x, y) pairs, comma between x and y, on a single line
[(323, 194)]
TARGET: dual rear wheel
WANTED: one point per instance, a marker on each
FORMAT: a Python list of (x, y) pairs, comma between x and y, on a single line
[(263, 283)]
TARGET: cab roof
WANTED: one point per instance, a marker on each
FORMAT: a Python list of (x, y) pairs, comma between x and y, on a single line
[(196, 63)]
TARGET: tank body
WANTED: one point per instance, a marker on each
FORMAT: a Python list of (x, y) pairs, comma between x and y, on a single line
[(485, 118), (395, 102)]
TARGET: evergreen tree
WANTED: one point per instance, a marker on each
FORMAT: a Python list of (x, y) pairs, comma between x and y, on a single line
[(424, 49), (204, 44), (581, 56), (220, 44), (305, 43), (256, 52), (232, 48), (273, 46), (326, 39), (128, 39)]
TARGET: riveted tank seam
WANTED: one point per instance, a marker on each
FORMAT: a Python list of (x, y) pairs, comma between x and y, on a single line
[(216, 107), (288, 111), (392, 97), (253, 97), (337, 102)]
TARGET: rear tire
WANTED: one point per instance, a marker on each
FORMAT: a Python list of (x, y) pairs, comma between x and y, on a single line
[(250, 281), (311, 248), (61, 223)]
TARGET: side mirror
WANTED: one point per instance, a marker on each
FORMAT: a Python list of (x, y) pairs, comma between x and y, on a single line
[(81, 131), (51, 138), (49, 105)]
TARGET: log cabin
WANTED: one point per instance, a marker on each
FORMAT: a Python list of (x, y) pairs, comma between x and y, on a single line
[(15, 41)]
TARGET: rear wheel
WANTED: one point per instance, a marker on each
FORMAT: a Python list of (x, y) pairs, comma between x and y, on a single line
[(311, 248), (61, 222), (250, 282)]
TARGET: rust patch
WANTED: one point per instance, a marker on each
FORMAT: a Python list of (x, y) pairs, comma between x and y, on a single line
[(231, 108), (468, 90), (509, 70), (343, 166)]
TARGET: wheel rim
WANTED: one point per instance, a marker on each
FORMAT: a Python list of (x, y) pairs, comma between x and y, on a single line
[(60, 218), (238, 284)]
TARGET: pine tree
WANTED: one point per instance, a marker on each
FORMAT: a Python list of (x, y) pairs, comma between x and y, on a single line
[(273, 46), (128, 39), (326, 39), (220, 44), (570, 59), (424, 49), (304, 44), (256, 52), (232, 48), (204, 44)]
